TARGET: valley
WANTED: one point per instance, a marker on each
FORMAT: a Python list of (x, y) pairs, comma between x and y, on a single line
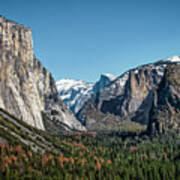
[(105, 155), (124, 127)]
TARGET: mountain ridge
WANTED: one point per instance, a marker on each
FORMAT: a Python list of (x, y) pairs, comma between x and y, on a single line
[(129, 97)]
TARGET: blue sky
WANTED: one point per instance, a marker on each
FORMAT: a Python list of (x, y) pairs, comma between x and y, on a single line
[(81, 39)]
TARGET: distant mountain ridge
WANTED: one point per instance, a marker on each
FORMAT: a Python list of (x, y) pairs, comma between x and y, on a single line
[(75, 93), (128, 98), (112, 102)]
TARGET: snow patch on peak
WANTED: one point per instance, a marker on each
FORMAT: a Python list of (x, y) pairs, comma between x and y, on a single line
[(66, 84), (174, 59), (72, 82)]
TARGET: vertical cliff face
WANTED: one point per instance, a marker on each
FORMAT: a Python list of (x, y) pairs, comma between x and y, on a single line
[(165, 112), (27, 89)]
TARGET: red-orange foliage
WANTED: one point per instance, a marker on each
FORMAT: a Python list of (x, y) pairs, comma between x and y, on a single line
[(18, 149), (165, 155), (5, 162), (109, 162), (2, 147), (144, 155), (98, 165), (133, 149), (30, 154), (30, 169), (102, 160), (11, 149), (80, 153), (83, 161), (25, 157), (46, 158), (61, 160), (13, 158), (71, 160)]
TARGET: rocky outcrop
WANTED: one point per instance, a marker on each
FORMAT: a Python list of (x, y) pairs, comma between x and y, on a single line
[(27, 89), (165, 112), (129, 97)]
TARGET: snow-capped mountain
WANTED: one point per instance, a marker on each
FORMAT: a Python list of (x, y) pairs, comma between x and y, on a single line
[(76, 92)]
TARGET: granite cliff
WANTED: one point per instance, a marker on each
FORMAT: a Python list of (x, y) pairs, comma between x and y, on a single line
[(165, 112), (27, 89)]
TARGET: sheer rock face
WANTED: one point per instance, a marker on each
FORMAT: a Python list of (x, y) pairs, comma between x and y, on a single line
[(165, 112), (27, 89), (129, 97)]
